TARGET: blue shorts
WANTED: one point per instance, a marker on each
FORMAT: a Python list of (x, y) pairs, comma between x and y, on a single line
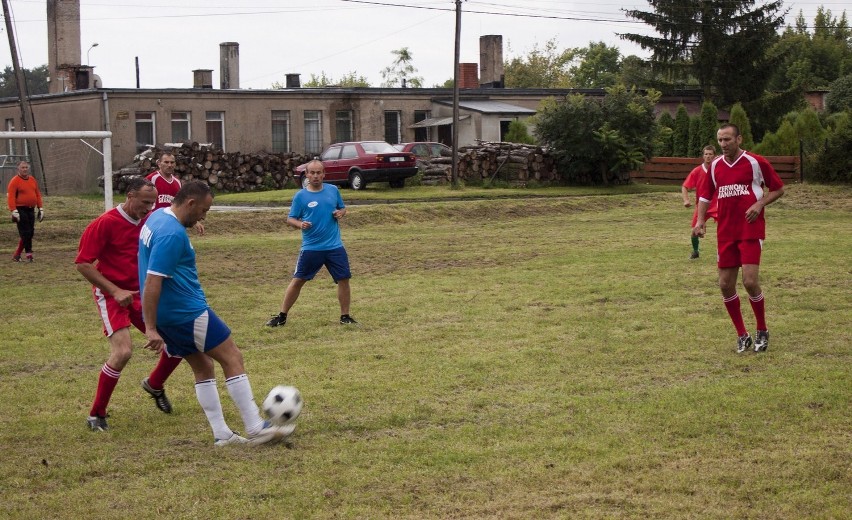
[(200, 335), (335, 260)]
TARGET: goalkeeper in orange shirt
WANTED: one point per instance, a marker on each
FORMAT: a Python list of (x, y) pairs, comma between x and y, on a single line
[(25, 203)]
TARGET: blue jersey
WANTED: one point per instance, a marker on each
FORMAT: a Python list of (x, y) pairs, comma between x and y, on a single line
[(316, 207), (164, 250)]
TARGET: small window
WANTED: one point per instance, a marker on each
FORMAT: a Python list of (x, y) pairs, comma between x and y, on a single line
[(343, 128), (349, 152), (313, 132), (392, 127), (280, 131), (180, 127), (146, 134), (333, 153), (422, 134), (216, 128)]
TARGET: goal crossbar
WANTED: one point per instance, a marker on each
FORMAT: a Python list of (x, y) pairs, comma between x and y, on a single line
[(77, 134)]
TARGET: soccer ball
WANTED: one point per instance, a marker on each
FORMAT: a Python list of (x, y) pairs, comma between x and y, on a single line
[(283, 405)]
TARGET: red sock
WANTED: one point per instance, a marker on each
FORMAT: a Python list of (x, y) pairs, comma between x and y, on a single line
[(757, 305), (732, 303), (106, 384), (20, 247), (163, 370)]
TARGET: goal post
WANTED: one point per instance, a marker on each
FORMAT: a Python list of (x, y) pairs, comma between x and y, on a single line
[(48, 164)]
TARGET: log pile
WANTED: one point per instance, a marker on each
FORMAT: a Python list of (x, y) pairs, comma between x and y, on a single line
[(224, 172), (511, 162)]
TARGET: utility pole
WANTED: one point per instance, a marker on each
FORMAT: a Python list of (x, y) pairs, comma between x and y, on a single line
[(455, 174), (23, 96)]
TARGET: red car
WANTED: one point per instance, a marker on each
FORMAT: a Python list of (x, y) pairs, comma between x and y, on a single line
[(358, 163), (425, 151)]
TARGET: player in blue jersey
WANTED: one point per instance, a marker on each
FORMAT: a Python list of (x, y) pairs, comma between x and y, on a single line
[(178, 318), (316, 211)]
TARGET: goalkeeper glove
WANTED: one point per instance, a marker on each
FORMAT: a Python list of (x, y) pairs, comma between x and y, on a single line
[(15, 215), (40, 214)]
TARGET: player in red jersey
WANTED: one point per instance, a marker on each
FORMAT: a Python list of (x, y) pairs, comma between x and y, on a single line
[(743, 184), (168, 184), (107, 258), (691, 183)]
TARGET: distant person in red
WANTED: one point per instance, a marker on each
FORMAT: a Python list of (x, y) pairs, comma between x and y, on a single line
[(691, 183), (108, 258), (24, 199), (743, 184), (168, 184)]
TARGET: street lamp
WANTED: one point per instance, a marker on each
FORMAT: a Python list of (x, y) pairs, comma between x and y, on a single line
[(90, 50)]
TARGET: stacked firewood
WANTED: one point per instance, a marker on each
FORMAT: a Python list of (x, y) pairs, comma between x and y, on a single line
[(224, 172), (511, 162)]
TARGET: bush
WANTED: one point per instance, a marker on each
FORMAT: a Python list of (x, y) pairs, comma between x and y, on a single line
[(839, 97), (834, 164), (518, 133)]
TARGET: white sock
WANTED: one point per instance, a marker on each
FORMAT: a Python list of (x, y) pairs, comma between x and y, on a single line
[(240, 390), (208, 398)]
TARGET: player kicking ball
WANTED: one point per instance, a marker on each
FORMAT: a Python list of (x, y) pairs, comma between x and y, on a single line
[(178, 318)]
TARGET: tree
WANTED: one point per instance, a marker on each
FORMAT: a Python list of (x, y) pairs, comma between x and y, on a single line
[(599, 140), (721, 43), (839, 97), (834, 164), (709, 124), (680, 133), (663, 144), (540, 68), (599, 66), (694, 148), (350, 79), (518, 133), (635, 72), (401, 71), (36, 81), (740, 118)]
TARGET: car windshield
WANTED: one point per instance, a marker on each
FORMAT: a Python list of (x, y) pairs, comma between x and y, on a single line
[(378, 147)]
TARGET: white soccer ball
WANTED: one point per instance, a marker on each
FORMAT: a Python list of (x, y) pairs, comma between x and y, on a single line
[(283, 405)]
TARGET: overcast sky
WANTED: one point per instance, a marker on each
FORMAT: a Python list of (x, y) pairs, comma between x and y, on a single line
[(277, 37)]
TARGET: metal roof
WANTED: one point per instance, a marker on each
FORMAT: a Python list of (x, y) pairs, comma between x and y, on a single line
[(436, 121), (492, 107)]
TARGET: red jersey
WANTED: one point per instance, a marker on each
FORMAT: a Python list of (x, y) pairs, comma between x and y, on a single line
[(736, 186), (693, 180), (112, 240), (166, 190), (23, 192)]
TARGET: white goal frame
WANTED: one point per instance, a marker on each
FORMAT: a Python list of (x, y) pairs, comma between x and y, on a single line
[(81, 135)]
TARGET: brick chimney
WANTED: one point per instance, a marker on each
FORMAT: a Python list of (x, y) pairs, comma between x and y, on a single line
[(468, 75), (63, 45), (229, 65), (491, 61)]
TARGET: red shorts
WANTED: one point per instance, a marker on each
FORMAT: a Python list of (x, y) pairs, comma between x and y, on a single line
[(738, 253), (711, 213), (116, 317)]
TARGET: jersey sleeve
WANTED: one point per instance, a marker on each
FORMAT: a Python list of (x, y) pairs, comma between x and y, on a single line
[(706, 188), (91, 243), (339, 204), (296, 207), (770, 176), (11, 192), (38, 193)]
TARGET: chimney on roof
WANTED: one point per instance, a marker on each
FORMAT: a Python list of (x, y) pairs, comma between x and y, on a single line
[(468, 75), (293, 81), (202, 78), (491, 61), (63, 45), (229, 65)]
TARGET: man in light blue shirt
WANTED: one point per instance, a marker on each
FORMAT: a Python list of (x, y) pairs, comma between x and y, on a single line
[(316, 210), (178, 318)]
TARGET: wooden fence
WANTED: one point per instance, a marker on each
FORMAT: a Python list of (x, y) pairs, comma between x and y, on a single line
[(673, 170)]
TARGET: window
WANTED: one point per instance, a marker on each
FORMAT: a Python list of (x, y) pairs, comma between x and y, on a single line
[(180, 127), (422, 134), (392, 127), (343, 129), (333, 153), (349, 152), (280, 131), (313, 131), (146, 134), (216, 128)]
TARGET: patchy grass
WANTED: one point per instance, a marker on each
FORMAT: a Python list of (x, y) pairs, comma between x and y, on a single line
[(551, 357)]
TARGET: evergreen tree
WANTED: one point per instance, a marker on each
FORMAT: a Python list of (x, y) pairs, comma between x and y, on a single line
[(695, 145), (709, 124), (680, 133), (663, 145), (839, 97), (36, 81), (721, 43), (740, 118)]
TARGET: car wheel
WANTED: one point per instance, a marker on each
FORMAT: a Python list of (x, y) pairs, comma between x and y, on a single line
[(397, 183), (356, 181)]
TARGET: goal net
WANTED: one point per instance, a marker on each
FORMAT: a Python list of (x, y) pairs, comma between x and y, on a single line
[(64, 163)]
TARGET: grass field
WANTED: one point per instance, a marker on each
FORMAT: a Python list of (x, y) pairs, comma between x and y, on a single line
[(549, 357)]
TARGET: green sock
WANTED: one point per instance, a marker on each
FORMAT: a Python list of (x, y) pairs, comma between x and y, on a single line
[(695, 243)]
